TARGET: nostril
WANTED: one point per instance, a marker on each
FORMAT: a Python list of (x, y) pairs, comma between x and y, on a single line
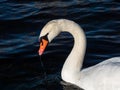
[(42, 42)]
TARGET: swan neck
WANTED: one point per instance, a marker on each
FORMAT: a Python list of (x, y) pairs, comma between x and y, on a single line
[(76, 56), (74, 61)]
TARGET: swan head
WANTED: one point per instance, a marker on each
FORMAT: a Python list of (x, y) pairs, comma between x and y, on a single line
[(48, 33)]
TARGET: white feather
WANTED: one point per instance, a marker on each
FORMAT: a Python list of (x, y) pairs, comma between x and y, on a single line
[(103, 76)]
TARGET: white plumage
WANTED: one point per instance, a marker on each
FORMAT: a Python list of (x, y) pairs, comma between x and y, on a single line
[(103, 76)]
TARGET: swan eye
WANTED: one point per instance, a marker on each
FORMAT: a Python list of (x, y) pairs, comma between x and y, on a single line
[(44, 37)]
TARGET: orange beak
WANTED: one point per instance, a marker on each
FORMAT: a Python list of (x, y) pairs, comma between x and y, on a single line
[(43, 45)]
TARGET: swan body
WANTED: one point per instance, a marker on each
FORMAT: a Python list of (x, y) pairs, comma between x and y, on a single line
[(103, 76)]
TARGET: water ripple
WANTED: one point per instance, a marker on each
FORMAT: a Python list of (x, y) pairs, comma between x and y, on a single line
[(21, 23)]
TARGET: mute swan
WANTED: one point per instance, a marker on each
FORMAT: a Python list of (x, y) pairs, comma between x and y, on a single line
[(103, 76)]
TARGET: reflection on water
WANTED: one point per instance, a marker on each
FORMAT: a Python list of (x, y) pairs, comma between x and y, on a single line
[(20, 25), (68, 86)]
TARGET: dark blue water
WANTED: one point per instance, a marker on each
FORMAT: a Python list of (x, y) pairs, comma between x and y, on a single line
[(21, 23)]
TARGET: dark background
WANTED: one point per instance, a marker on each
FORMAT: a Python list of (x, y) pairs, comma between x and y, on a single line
[(21, 23)]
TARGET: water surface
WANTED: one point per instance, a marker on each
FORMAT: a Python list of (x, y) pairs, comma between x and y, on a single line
[(21, 23)]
